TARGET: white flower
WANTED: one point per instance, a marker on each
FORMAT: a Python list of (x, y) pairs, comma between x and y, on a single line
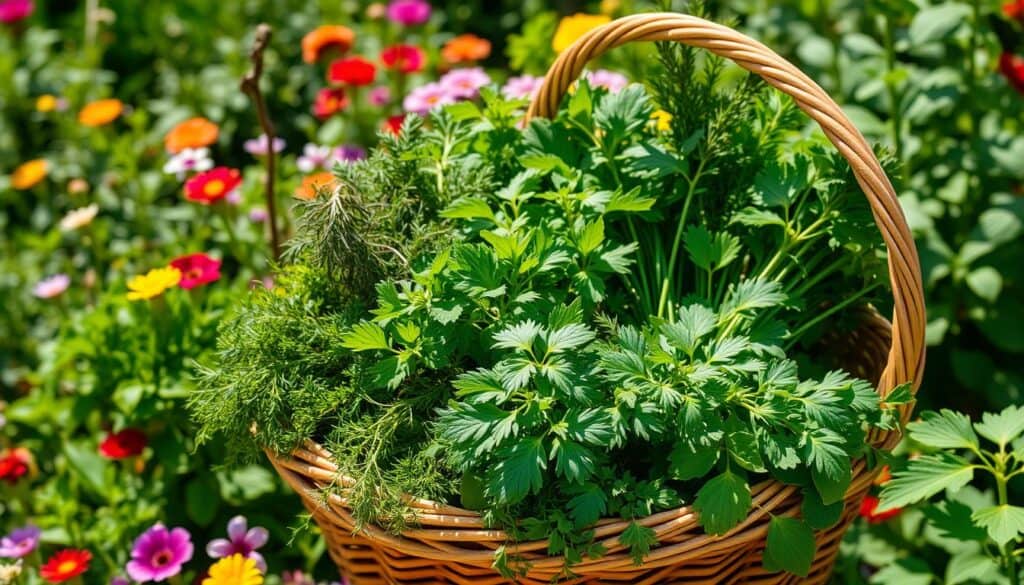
[(314, 157), (77, 218), (189, 160)]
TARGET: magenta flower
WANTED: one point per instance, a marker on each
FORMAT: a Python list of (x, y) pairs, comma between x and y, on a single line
[(260, 145), (427, 97), (464, 83), (380, 96), (610, 80), (258, 215), (48, 288), (408, 12), (241, 540), (523, 86), (158, 554), (19, 543), (347, 153), (15, 10)]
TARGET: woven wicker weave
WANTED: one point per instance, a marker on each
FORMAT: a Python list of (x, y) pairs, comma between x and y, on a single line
[(451, 545)]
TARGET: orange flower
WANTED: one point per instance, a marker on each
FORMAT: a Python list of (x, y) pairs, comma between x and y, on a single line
[(192, 133), (1014, 10), (869, 507), (29, 174), (323, 38), (313, 185), (65, 565), (467, 47), (100, 112), (884, 475), (213, 185)]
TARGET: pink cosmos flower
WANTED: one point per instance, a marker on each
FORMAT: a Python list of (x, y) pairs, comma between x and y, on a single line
[(523, 86), (408, 12), (14, 10), (159, 553), (48, 288), (380, 96), (241, 540), (20, 542), (610, 80), (314, 156), (260, 145), (427, 97), (464, 83)]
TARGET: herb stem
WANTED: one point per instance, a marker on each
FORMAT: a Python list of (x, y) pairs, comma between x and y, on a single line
[(795, 336), (680, 228)]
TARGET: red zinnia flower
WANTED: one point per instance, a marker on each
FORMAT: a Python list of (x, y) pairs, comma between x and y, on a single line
[(65, 565), (123, 444), (1014, 10), (213, 185), (394, 124), (1012, 68), (354, 71), (868, 507), (15, 464), (404, 58), (330, 101), (196, 269)]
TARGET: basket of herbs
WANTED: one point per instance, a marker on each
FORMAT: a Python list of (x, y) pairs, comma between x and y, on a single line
[(605, 337)]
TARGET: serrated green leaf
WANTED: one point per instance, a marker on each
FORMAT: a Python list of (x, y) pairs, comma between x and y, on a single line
[(365, 336), (639, 539), (592, 237), (723, 502), (923, 478), (1003, 428), (518, 472), (589, 506), (468, 208), (971, 566), (630, 201), (943, 430), (686, 463), (1003, 523), (790, 546), (953, 520)]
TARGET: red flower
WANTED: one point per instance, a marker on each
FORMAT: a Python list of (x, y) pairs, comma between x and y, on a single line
[(213, 185), (330, 101), (15, 464), (65, 565), (123, 444), (196, 269), (1012, 68), (1014, 10), (868, 507), (354, 71), (394, 124), (404, 58)]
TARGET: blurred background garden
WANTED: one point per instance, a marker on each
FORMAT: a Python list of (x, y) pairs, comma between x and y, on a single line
[(128, 147)]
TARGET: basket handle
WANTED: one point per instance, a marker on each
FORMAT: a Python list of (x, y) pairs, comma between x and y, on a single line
[(906, 355)]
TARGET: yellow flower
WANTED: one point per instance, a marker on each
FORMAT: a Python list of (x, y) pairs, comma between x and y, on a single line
[(573, 27), (234, 570), (610, 7), (47, 103), (29, 174), (100, 112), (662, 120), (153, 283)]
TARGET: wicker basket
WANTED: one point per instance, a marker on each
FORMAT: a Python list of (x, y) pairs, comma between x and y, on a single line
[(451, 545)]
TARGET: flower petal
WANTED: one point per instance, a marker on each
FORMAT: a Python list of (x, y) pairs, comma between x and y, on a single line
[(256, 537), (236, 528), (219, 548)]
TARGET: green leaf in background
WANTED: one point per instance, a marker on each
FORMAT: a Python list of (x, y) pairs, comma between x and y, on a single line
[(937, 22), (953, 520), (1002, 428), (202, 499), (971, 566), (1003, 523), (906, 571), (923, 478), (365, 336), (685, 463), (88, 466), (723, 502), (986, 282), (790, 546), (944, 430)]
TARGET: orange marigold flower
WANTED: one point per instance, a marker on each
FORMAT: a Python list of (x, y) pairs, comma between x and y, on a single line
[(29, 174), (100, 112), (869, 507), (65, 565), (213, 185), (192, 133), (330, 101), (404, 58), (314, 184), (466, 47), (354, 71), (573, 27), (326, 37)]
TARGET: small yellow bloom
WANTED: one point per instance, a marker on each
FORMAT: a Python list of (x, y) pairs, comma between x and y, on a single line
[(234, 570), (610, 7), (153, 283), (662, 120), (29, 174), (100, 112), (573, 27), (46, 103)]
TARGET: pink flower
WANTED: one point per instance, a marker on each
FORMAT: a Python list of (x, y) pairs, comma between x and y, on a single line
[(241, 540), (408, 12), (196, 270), (258, 215), (427, 97), (380, 96), (314, 157), (610, 80), (48, 288), (464, 83), (14, 10), (159, 553), (19, 543), (260, 145), (524, 86)]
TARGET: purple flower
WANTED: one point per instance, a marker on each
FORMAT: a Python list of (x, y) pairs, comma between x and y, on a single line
[(20, 542), (464, 83), (48, 288), (260, 145), (158, 554), (349, 153), (120, 581), (523, 86), (314, 157), (408, 12), (380, 95), (258, 215), (241, 540), (609, 80), (427, 97)]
